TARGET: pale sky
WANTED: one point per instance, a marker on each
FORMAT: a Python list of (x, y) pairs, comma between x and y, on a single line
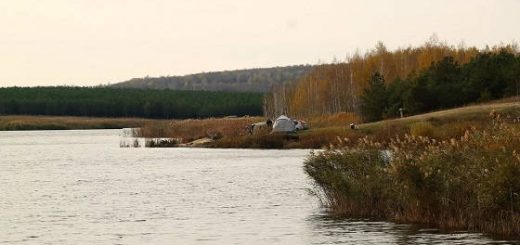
[(91, 42)]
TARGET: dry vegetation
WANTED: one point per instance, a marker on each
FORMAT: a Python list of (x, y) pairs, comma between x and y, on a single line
[(324, 130), (337, 120), (232, 133), (192, 129), (62, 123), (468, 182)]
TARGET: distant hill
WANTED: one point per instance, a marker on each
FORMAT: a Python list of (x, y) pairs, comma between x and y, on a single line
[(249, 80)]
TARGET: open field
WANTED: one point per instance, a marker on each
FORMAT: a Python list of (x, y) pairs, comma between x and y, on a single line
[(64, 123)]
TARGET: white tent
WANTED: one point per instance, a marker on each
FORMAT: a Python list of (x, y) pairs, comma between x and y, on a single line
[(284, 124)]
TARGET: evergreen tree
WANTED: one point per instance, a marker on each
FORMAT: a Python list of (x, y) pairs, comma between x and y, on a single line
[(112, 102), (444, 84), (374, 98), (396, 92)]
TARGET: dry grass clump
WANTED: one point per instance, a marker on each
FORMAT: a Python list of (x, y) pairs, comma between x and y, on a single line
[(456, 129), (422, 129), (192, 129), (470, 182)]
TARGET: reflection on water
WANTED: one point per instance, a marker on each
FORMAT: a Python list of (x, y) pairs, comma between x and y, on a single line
[(80, 187), (329, 230)]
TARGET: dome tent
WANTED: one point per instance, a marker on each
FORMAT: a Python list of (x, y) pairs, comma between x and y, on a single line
[(284, 124)]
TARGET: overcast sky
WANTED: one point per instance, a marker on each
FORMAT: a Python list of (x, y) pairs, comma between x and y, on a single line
[(91, 42)]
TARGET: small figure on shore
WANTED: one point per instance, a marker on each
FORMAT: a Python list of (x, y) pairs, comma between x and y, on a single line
[(250, 128), (352, 126), (269, 123)]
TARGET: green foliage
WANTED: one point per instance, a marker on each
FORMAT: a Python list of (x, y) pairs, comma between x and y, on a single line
[(396, 92), (445, 84), (492, 76), (374, 98), (112, 102)]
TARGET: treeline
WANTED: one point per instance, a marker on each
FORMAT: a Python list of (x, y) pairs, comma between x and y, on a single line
[(113, 102), (249, 80), (445, 84), (333, 88)]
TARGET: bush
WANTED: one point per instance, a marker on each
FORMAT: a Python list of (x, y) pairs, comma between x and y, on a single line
[(351, 180)]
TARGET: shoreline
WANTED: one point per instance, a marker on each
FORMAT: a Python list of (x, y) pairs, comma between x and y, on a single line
[(31, 123), (230, 132)]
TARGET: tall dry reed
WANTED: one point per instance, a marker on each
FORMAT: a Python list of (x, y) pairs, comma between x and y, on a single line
[(192, 129), (469, 182)]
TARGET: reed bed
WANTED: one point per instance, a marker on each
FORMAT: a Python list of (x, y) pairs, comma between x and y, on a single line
[(192, 129), (63, 123), (464, 183)]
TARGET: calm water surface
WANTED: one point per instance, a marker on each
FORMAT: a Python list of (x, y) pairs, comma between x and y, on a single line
[(80, 187)]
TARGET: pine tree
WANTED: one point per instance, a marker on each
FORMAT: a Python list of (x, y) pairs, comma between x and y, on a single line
[(374, 98)]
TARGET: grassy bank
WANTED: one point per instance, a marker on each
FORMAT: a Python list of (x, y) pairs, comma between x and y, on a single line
[(64, 123), (441, 125), (232, 133), (468, 182)]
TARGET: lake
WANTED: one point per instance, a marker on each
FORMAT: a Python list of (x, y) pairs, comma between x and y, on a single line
[(80, 187)]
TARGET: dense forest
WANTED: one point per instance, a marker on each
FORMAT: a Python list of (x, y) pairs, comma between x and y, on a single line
[(250, 80), (445, 84), (417, 79), (113, 102)]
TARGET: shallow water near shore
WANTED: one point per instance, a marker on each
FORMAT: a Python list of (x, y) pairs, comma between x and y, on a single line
[(80, 187)]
